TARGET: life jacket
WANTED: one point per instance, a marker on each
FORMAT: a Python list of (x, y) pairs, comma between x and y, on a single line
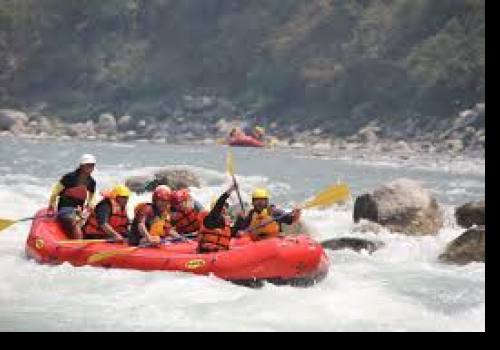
[(118, 219), (270, 230), (213, 239), (186, 221), (156, 224), (77, 194)]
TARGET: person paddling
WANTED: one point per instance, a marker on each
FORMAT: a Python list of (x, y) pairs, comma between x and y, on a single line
[(109, 218), (73, 195), (152, 221), (215, 226), (262, 213)]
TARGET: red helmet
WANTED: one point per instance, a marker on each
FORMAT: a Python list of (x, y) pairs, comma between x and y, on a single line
[(179, 197), (162, 192)]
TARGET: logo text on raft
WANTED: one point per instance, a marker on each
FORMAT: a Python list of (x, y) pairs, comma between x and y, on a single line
[(39, 243), (194, 264)]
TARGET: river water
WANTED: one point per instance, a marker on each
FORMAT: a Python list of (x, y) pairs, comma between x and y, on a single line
[(401, 287)]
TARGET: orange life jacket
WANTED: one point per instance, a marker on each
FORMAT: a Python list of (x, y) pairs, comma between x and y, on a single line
[(118, 220), (270, 230), (213, 239), (157, 225), (186, 221)]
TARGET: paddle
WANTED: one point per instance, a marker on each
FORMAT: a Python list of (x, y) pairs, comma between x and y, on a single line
[(97, 257), (333, 194), (230, 170), (5, 223)]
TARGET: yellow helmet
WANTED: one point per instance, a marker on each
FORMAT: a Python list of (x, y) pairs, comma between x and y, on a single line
[(260, 129), (121, 191), (260, 193)]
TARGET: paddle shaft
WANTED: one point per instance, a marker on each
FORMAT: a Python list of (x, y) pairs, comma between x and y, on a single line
[(238, 193)]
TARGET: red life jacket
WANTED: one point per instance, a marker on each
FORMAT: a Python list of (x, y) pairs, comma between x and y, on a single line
[(118, 220), (77, 194), (186, 221), (213, 239)]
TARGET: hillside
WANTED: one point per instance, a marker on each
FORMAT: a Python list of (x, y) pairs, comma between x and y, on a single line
[(344, 62)]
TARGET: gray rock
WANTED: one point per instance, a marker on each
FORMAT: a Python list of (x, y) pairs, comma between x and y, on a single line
[(107, 124), (124, 123), (467, 248), (471, 214), (81, 130), (355, 244), (175, 179), (11, 119), (401, 206), (367, 227), (139, 183)]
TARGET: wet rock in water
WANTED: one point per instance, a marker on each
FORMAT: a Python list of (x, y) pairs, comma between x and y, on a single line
[(469, 247), (402, 206), (124, 123), (12, 120), (355, 244), (174, 178), (367, 227), (470, 214), (106, 124), (139, 183)]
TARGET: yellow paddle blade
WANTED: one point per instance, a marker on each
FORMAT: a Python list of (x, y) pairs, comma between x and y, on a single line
[(230, 163), (4, 223), (331, 195), (97, 257), (82, 241)]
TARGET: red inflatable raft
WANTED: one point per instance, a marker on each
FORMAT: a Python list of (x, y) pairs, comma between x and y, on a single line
[(296, 260), (245, 141)]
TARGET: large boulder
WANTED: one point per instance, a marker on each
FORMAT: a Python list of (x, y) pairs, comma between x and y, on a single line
[(107, 124), (471, 214), (401, 206), (174, 178), (125, 123), (467, 248), (355, 244), (139, 183), (81, 130), (11, 119)]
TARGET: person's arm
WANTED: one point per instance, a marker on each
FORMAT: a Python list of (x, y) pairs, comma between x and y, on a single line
[(103, 213), (285, 218), (214, 218), (144, 231), (281, 216), (56, 191), (91, 198)]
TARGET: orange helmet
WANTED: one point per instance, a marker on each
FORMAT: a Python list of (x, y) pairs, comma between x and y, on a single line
[(179, 197), (162, 192)]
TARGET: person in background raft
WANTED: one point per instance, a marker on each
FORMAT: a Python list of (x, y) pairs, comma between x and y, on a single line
[(152, 221), (109, 217), (74, 195), (262, 212), (215, 226)]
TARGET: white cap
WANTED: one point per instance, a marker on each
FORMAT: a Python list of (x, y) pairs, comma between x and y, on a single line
[(87, 159)]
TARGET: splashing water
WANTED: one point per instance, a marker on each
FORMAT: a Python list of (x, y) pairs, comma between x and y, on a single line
[(400, 287)]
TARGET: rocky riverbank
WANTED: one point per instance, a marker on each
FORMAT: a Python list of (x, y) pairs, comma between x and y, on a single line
[(198, 121)]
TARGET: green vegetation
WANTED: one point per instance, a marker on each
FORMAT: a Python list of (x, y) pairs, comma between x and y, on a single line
[(321, 59)]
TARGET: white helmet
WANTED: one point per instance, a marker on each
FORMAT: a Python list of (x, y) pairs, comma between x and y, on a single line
[(87, 159)]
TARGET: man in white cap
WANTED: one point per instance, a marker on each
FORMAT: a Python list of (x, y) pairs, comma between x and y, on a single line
[(75, 192)]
